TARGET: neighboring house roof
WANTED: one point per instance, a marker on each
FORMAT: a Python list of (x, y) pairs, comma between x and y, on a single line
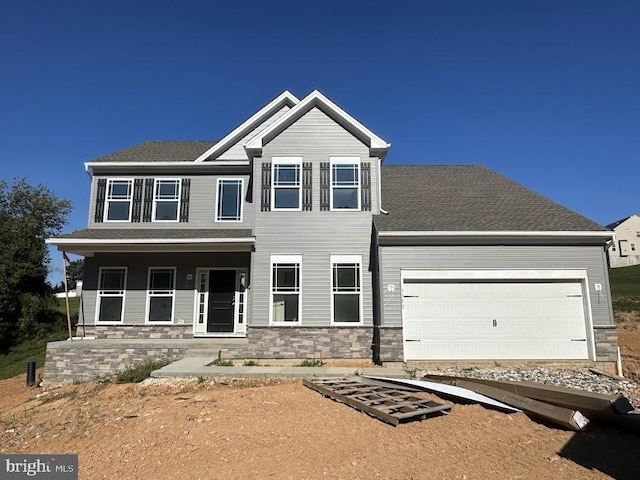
[(468, 199), (613, 225), (156, 233), (160, 151)]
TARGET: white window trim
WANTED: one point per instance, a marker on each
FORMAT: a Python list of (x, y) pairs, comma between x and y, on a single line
[(156, 181), (99, 296), (286, 161), (149, 295), (106, 199), (285, 259), (344, 161), (334, 259), (218, 198)]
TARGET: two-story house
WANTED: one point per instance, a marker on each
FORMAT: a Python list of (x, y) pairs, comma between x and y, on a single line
[(625, 250), (291, 235)]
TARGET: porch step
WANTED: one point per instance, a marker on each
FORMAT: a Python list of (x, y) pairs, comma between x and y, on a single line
[(211, 348)]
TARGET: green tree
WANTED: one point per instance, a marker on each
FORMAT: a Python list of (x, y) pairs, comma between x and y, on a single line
[(28, 215), (75, 272)]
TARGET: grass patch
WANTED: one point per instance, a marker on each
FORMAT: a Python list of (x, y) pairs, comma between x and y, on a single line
[(14, 362), (137, 372), (221, 363), (625, 288), (311, 362), (250, 363)]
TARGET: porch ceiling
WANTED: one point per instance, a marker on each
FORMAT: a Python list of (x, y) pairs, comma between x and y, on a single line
[(90, 241)]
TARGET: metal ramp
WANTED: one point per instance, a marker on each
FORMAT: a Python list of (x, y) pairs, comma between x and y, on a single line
[(393, 405)]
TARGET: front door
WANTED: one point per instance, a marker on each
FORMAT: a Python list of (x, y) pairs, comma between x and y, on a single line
[(222, 294)]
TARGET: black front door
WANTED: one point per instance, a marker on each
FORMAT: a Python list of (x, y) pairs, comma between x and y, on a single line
[(222, 292)]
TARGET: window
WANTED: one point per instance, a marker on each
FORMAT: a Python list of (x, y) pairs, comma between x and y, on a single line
[(637, 233), (286, 191), (119, 194), (346, 296), (229, 201), (345, 183), (160, 293), (613, 247), (633, 247), (166, 198), (285, 288), (111, 289)]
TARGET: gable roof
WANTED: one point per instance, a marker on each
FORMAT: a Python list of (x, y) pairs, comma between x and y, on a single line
[(377, 145), (159, 151), (286, 98), (468, 198), (619, 222)]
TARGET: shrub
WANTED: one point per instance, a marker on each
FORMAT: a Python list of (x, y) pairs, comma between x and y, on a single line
[(221, 363), (137, 372), (315, 362)]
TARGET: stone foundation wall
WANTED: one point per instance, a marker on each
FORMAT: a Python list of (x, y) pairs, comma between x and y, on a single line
[(606, 343), (129, 332), (305, 342), (66, 364), (391, 344)]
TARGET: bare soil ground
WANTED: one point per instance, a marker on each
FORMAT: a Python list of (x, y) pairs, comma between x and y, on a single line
[(282, 430)]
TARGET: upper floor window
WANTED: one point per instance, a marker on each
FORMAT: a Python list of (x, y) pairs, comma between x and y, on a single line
[(286, 190), (633, 247), (166, 200), (638, 233), (345, 183), (119, 195), (229, 206)]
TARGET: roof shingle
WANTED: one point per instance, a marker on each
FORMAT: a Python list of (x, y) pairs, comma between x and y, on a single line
[(468, 198), (156, 151)]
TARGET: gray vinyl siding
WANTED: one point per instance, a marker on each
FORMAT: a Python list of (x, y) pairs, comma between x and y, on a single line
[(237, 151), (591, 258), (313, 234), (202, 204), (137, 274)]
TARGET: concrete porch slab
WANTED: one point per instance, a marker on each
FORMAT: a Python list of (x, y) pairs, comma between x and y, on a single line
[(199, 367)]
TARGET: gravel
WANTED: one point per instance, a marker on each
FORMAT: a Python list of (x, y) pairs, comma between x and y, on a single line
[(581, 379)]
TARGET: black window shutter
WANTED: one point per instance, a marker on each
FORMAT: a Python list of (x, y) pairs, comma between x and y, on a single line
[(266, 187), (184, 200), (325, 188), (306, 186), (137, 199), (148, 200), (365, 186), (100, 194)]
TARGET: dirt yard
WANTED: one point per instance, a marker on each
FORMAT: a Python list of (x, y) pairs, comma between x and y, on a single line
[(282, 430)]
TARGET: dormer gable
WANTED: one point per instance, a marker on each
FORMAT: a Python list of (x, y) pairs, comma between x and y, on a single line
[(377, 146)]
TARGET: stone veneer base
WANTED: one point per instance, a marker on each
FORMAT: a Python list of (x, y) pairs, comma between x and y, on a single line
[(68, 363)]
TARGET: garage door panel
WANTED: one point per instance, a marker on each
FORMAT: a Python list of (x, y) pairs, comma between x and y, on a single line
[(494, 320)]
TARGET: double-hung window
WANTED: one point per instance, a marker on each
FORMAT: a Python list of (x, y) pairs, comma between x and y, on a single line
[(160, 294), (119, 195), (166, 200), (345, 183), (285, 289), (346, 289), (229, 205), (286, 190), (111, 288)]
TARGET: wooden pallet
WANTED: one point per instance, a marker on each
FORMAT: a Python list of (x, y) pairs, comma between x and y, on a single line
[(389, 404)]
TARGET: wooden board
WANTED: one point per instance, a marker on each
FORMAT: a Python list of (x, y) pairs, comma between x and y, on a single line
[(594, 406), (389, 404)]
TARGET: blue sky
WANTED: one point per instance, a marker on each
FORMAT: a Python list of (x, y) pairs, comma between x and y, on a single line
[(544, 92)]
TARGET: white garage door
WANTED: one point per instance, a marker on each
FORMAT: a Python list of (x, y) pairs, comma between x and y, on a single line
[(458, 320)]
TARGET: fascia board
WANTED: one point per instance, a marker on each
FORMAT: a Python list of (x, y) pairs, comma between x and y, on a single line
[(316, 98), (146, 241), (524, 234), (285, 97), (221, 163)]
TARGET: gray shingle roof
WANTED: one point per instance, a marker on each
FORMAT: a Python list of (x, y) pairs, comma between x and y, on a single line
[(618, 222), (156, 233), (177, 151), (468, 198)]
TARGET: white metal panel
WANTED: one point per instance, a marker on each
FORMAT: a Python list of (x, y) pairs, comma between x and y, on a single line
[(470, 320)]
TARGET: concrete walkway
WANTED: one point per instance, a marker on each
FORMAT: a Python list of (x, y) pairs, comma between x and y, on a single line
[(199, 367)]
